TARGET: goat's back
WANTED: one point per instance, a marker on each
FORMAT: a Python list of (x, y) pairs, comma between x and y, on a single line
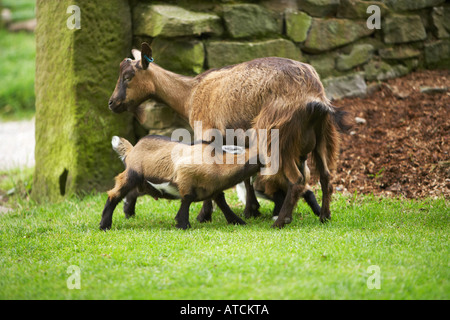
[(152, 157), (231, 97)]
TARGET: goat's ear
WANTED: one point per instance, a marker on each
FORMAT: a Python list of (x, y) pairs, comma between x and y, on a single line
[(136, 54), (146, 52)]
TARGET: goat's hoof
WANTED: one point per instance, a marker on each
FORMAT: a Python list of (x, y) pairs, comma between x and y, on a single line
[(202, 217), (278, 224), (129, 211), (105, 227), (252, 213), (287, 220), (324, 219), (238, 221), (184, 226), (130, 215)]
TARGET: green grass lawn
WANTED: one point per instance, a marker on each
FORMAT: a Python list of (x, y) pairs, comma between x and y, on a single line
[(17, 65), (146, 257), (20, 9)]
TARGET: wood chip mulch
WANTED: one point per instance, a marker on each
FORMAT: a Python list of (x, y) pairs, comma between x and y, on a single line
[(399, 146)]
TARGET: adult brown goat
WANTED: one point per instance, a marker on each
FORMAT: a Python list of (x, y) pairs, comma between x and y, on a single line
[(267, 93)]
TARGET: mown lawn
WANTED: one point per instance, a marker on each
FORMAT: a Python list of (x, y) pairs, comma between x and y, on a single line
[(21, 10), (406, 241), (17, 64)]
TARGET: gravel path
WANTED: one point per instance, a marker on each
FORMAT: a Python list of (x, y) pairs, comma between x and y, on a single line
[(16, 144)]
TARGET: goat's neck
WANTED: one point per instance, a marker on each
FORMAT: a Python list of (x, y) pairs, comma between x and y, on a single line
[(171, 88)]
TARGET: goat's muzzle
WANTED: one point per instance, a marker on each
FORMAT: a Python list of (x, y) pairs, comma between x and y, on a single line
[(116, 106)]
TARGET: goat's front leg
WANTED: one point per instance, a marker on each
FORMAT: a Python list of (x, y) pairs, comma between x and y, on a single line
[(227, 212), (293, 194), (308, 196), (311, 200), (106, 222), (251, 203), (182, 216), (205, 214)]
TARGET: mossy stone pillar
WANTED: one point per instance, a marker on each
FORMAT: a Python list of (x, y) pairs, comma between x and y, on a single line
[(76, 72)]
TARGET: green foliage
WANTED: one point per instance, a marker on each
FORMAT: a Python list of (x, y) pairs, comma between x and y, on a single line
[(17, 69), (20, 9), (146, 257)]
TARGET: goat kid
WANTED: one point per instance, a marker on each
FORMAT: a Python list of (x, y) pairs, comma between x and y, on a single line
[(154, 168)]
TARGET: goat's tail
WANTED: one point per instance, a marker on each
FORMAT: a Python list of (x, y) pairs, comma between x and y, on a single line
[(121, 146), (341, 119), (329, 121), (294, 135)]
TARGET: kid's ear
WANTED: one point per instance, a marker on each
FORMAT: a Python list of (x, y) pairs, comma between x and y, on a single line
[(136, 54), (146, 55)]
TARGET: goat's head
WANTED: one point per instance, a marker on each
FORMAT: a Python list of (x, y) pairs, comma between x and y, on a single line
[(134, 85)]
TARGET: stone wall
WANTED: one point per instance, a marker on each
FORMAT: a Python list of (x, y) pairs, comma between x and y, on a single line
[(191, 36), (76, 69)]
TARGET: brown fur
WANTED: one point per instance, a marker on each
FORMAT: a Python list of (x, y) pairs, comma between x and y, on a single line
[(263, 93), (152, 160)]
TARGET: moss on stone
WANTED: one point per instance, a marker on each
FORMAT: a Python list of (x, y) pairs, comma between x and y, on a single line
[(437, 54), (327, 34), (248, 20), (223, 53), (179, 55), (324, 64), (319, 8), (408, 5), (76, 71), (173, 21), (403, 28), (357, 9), (359, 55), (399, 53), (441, 22), (297, 25), (380, 70)]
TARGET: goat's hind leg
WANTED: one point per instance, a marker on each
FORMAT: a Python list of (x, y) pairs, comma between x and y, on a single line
[(205, 214), (311, 200), (122, 187), (227, 212), (308, 196), (327, 188), (251, 203)]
